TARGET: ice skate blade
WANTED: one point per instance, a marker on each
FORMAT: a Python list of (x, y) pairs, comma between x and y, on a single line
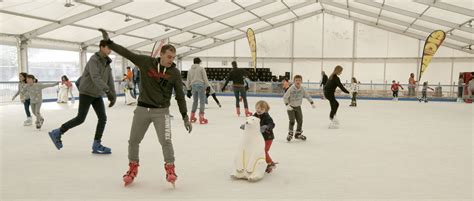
[(101, 153)]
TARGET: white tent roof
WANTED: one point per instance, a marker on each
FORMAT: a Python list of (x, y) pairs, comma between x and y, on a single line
[(195, 26)]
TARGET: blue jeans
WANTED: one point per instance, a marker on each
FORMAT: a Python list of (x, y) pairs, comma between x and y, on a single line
[(240, 91), (26, 104), (199, 93)]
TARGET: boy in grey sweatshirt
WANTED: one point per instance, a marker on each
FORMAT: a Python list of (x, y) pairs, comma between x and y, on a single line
[(33, 91), (293, 99)]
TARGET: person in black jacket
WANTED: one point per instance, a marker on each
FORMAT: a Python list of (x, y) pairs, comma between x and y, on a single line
[(329, 90), (266, 128), (324, 80), (237, 77)]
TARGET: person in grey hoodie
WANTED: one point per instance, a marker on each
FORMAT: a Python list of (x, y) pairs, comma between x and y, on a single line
[(96, 80), (196, 84), (293, 99), (34, 92)]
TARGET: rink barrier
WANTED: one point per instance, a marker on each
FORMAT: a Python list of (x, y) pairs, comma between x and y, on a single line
[(367, 91)]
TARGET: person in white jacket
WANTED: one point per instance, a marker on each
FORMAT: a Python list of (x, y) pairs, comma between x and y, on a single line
[(354, 89), (196, 84)]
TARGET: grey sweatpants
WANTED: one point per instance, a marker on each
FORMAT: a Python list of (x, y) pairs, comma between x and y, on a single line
[(295, 114), (141, 121), (35, 108)]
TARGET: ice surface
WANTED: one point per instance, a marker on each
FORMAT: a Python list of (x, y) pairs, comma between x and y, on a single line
[(383, 150)]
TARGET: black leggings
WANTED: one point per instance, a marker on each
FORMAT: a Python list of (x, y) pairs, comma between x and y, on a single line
[(334, 104), (85, 102), (214, 97), (395, 94)]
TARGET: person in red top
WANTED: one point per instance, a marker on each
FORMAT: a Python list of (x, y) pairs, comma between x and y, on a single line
[(394, 88), (65, 90)]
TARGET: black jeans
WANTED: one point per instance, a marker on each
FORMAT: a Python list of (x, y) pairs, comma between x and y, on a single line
[(334, 104), (85, 102), (240, 90), (26, 104)]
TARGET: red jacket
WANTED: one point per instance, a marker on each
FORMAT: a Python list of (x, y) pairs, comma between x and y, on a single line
[(395, 87)]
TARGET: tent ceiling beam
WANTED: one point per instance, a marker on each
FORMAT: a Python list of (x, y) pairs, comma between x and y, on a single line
[(394, 30), (415, 15), (200, 24), (256, 31), (398, 22), (146, 22), (445, 6), (243, 24), (74, 18)]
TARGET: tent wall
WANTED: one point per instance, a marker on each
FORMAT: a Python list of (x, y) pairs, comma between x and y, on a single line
[(324, 41)]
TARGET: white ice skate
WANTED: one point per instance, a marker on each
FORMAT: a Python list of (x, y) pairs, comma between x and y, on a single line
[(334, 124), (336, 121), (28, 122)]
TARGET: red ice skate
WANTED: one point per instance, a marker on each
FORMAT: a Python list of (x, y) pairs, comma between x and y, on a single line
[(131, 173), (193, 117), (202, 120), (170, 174), (247, 112)]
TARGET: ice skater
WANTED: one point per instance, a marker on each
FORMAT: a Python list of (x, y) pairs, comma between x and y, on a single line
[(424, 91), (196, 86), (127, 90), (96, 80), (266, 128), (237, 75), (159, 76), (354, 89), (211, 92), (324, 80), (394, 89), (293, 99), (329, 90), (65, 89), (26, 101), (34, 92)]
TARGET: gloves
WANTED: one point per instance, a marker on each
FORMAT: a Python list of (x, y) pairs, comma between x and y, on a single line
[(112, 98), (289, 108), (313, 105), (105, 35), (189, 94), (263, 128), (187, 124), (242, 126)]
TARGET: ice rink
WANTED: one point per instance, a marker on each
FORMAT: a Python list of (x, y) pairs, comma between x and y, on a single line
[(383, 150)]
